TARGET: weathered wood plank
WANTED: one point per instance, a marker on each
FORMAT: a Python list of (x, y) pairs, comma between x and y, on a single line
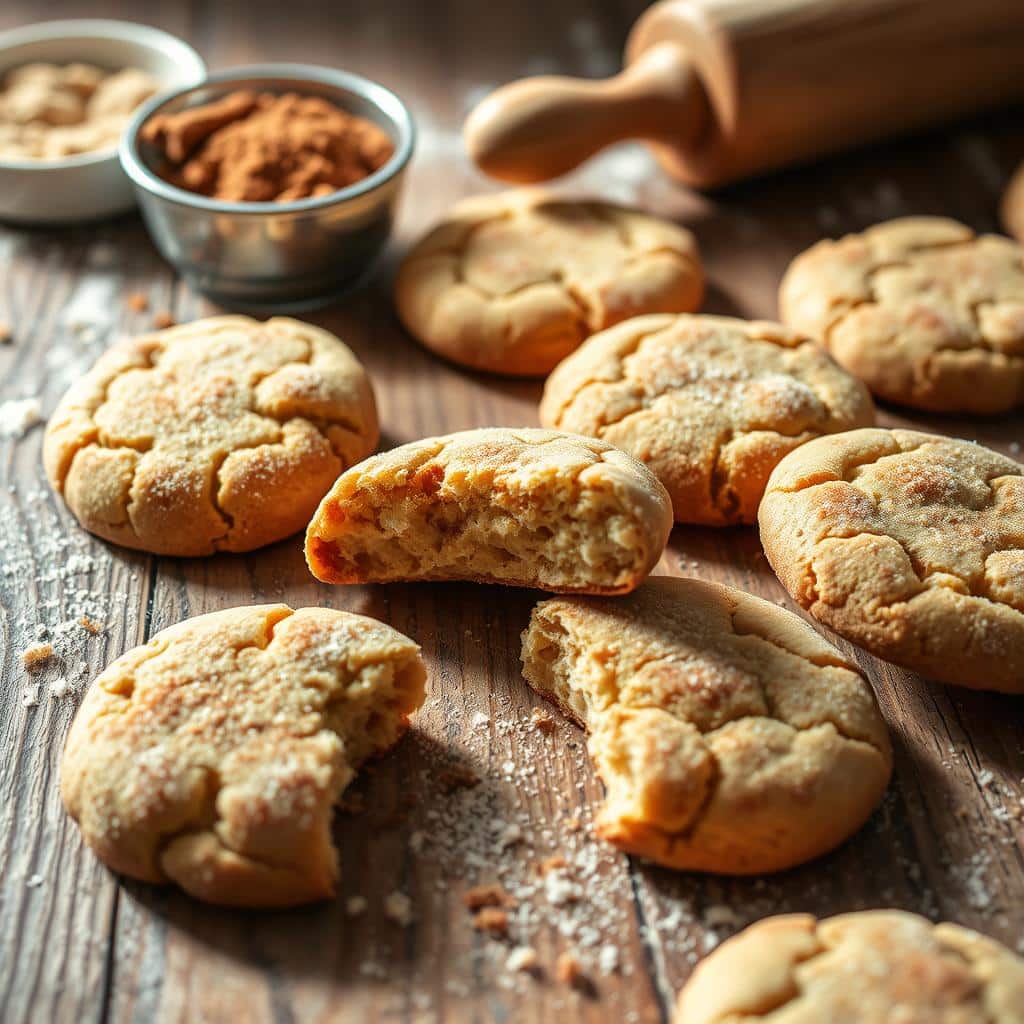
[(62, 296), (947, 841)]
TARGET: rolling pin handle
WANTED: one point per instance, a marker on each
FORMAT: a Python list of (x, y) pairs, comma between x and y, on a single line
[(540, 128)]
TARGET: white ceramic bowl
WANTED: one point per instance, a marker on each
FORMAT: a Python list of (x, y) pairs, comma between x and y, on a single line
[(91, 185)]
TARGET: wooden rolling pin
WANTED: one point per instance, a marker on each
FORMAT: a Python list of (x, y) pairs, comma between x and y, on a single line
[(727, 89)]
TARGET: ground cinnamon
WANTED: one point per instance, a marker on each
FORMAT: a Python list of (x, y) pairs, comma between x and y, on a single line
[(258, 147)]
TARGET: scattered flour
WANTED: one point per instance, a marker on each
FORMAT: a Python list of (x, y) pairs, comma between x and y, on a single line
[(18, 416), (61, 687)]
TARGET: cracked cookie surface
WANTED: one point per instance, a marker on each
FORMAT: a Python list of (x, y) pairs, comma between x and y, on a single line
[(525, 507), (909, 544), (729, 735), (218, 435), (872, 967), (213, 756), (924, 311), (710, 403), (512, 283)]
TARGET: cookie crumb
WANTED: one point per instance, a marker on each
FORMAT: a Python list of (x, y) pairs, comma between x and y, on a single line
[(163, 320), (90, 625), (355, 906), (569, 971), (458, 777), (398, 907), (492, 920), (6, 337), (543, 721), (492, 895), (523, 959), (573, 824), (137, 302), (36, 656)]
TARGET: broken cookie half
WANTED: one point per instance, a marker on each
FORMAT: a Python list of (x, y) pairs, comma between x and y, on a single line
[(213, 756), (531, 508), (729, 735)]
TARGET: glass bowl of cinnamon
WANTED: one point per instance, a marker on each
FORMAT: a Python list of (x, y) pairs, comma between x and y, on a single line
[(271, 187)]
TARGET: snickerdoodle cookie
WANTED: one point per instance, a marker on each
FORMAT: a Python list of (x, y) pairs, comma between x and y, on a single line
[(911, 545), (872, 967), (923, 310), (512, 283), (730, 736), (1012, 206), (532, 508), (219, 435), (710, 403), (213, 755)]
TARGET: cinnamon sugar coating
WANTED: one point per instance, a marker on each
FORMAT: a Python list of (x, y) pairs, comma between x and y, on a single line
[(512, 283), (710, 403), (872, 967), (909, 544), (218, 435), (924, 311), (729, 735), (213, 756)]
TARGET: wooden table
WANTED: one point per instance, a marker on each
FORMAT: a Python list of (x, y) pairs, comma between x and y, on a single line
[(77, 944)]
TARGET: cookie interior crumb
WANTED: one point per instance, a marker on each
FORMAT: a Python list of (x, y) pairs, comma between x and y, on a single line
[(520, 507)]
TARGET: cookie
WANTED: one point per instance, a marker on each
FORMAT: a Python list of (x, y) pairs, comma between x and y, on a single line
[(1012, 207), (872, 967), (219, 435), (240, 730), (729, 735), (924, 311), (512, 283), (710, 403), (911, 545), (530, 508)]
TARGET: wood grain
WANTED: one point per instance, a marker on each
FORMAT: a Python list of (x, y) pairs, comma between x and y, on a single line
[(77, 944)]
